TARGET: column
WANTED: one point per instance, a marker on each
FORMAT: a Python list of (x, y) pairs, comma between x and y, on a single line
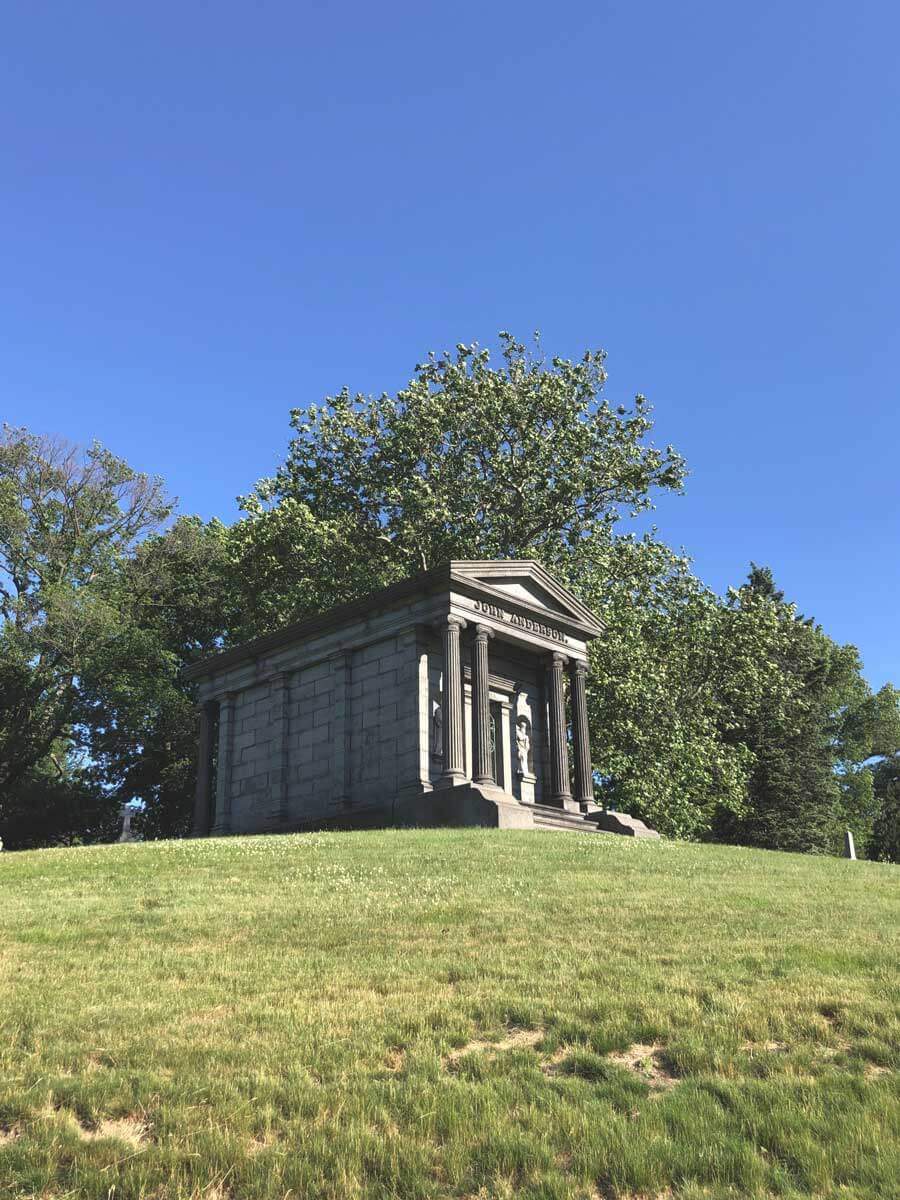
[(482, 767), (451, 704), (203, 793), (561, 796), (584, 778)]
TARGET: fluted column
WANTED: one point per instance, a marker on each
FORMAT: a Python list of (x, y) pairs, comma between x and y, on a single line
[(482, 766), (203, 793), (581, 739), (561, 794), (452, 704)]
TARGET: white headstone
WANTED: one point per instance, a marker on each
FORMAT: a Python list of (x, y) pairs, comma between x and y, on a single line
[(849, 847)]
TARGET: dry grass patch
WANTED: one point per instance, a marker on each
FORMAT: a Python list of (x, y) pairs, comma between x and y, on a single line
[(130, 1130), (123, 1129), (394, 1060), (874, 1071), (517, 1039), (8, 1135), (609, 1194), (647, 1063), (765, 1047), (551, 1065)]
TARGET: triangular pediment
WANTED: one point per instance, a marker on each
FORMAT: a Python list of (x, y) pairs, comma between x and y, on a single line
[(526, 582)]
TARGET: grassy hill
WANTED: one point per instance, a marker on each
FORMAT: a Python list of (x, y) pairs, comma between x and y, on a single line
[(430, 1014)]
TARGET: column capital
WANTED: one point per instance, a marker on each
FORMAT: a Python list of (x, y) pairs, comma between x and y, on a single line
[(483, 633), (556, 659), (442, 624), (579, 667)]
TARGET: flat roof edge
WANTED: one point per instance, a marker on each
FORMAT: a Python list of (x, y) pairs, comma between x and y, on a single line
[(320, 623)]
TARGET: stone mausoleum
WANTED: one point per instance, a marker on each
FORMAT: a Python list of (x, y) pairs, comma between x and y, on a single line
[(440, 700)]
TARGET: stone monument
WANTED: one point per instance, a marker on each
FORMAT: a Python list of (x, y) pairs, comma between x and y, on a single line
[(126, 813), (446, 699)]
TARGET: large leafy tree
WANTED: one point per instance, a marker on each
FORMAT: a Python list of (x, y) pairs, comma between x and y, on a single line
[(68, 522), (700, 708), (659, 688), (524, 458), (731, 717), (180, 598), (470, 459)]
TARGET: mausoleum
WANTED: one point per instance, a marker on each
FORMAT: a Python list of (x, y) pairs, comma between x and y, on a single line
[(450, 698)]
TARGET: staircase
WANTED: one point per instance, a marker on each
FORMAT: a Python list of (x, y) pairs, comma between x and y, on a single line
[(596, 821)]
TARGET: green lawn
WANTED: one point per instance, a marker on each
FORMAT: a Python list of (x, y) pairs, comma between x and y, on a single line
[(460, 1014)]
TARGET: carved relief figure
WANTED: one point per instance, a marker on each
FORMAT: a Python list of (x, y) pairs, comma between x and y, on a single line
[(523, 745)]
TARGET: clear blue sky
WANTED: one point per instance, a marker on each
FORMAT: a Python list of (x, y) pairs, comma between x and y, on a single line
[(210, 213)]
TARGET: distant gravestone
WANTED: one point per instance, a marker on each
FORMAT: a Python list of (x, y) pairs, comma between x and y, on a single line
[(126, 814), (849, 846)]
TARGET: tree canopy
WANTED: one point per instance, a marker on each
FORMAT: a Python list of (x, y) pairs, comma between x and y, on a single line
[(711, 716)]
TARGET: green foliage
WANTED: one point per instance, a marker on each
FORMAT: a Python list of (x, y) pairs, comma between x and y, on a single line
[(659, 687), (470, 460), (67, 525), (885, 841), (731, 717), (51, 805), (809, 720), (179, 602)]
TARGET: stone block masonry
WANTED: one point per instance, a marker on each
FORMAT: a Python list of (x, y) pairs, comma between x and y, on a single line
[(451, 685)]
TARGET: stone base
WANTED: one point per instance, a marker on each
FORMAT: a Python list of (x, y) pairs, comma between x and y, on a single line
[(470, 804), (524, 787), (616, 822)]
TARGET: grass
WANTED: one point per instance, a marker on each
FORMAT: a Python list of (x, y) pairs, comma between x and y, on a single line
[(447, 1014)]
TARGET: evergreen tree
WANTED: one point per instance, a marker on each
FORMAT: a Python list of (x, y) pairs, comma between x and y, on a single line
[(885, 843)]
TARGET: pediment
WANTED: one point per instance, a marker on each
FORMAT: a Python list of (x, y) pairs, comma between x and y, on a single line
[(526, 582)]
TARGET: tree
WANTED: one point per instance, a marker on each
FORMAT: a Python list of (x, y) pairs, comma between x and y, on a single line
[(885, 840), (800, 706), (468, 460), (57, 804), (68, 521), (180, 597), (524, 459), (658, 688)]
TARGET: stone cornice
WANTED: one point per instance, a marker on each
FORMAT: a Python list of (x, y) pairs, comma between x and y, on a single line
[(458, 575)]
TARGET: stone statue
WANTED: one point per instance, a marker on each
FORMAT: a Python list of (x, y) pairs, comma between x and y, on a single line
[(523, 744), (437, 730)]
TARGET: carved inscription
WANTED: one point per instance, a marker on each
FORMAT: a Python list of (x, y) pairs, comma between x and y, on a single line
[(494, 610)]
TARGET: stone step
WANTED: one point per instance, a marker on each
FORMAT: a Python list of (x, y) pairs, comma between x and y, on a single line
[(547, 817), (595, 821)]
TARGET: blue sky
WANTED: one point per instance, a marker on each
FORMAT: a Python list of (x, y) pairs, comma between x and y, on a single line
[(211, 213)]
